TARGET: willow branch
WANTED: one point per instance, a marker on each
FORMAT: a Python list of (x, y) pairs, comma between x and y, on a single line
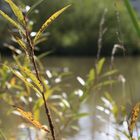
[(32, 59)]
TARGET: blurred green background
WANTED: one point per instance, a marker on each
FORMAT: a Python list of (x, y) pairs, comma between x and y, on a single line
[(76, 31)]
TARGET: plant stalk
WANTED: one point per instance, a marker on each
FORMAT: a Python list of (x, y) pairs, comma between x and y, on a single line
[(43, 96), (32, 59)]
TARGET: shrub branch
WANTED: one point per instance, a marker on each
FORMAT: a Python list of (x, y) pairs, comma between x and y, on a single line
[(32, 59)]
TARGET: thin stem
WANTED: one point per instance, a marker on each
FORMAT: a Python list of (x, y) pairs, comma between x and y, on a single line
[(43, 96), (32, 59), (102, 31)]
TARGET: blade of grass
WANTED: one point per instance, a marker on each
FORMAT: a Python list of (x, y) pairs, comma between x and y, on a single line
[(132, 16)]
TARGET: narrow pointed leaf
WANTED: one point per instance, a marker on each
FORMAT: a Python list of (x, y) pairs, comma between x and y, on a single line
[(18, 13), (109, 73), (11, 21), (132, 15), (100, 65), (32, 76), (105, 83), (40, 101), (80, 115), (29, 117), (34, 6), (91, 76), (48, 22), (20, 42), (20, 76)]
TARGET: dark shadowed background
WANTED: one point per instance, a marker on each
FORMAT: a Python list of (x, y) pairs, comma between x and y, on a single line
[(76, 31)]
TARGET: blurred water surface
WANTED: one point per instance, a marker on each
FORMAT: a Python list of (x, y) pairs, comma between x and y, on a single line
[(91, 128)]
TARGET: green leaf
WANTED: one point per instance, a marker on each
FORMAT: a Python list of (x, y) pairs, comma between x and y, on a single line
[(47, 94), (42, 55), (18, 13), (34, 6), (105, 83), (40, 102), (89, 83), (48, 22), (91, 76), (115, 109), (100, 65), (132, 16), (11, 21), (108, 97), (65, 103), (56, 111), (109, 73), (80, 115), (41, 39)]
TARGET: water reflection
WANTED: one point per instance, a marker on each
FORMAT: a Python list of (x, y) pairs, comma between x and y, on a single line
[(85, 126)]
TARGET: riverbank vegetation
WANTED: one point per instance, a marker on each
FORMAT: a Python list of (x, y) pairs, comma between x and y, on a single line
[(30, 90)]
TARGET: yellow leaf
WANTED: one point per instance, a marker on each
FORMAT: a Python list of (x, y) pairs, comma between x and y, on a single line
[(32, 76), (48, 22), (18, 13), (133, 118), (29, 117), (14, 23)]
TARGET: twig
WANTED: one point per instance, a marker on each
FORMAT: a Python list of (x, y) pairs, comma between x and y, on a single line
[(32, 59)]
